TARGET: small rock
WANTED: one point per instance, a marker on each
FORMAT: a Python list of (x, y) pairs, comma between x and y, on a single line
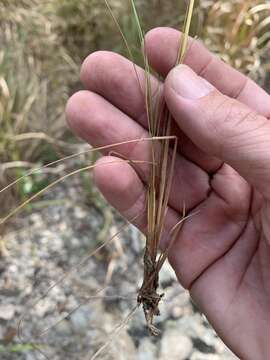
[(64, 328), (203, 347), (175, 346), (80, 319), (136, 236), (78, 212), (29, 356), (228, 355), (167, 275), (177, 312), (7, 312), (192, 325), (201, 356), (147, 350), (123, 348)]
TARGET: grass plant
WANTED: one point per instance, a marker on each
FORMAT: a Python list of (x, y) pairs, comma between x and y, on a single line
[(159, 186)]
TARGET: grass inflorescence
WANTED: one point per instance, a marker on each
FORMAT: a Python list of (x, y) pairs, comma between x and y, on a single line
[(159, 186)]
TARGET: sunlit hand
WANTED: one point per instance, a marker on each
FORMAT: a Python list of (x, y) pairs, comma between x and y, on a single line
[(222, 255)]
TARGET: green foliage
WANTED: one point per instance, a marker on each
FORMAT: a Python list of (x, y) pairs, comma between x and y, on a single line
[(16, 348), (32, 184)]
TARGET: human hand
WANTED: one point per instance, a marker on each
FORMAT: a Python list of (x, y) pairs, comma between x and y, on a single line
[(222, 255)]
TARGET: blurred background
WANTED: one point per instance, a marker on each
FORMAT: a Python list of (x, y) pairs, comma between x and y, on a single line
[(42, 45)]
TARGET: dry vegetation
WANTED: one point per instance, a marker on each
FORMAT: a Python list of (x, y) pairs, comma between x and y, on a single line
[(239, 32), (42, 46)]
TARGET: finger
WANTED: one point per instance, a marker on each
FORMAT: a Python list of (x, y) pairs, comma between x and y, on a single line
[(114, 78), (221, 126), (100, 123), (123, 189), (119, 81), (162, 46)]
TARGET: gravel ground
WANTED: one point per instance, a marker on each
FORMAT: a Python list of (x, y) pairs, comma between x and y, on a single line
[(85, 310)]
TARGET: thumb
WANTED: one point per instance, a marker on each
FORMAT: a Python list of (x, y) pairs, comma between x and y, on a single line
[(221, 126)]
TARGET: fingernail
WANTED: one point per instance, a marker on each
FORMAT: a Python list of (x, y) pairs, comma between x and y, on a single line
[(188, 84)]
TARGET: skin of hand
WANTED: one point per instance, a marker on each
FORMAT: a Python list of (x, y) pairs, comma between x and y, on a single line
[(222, 255)]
